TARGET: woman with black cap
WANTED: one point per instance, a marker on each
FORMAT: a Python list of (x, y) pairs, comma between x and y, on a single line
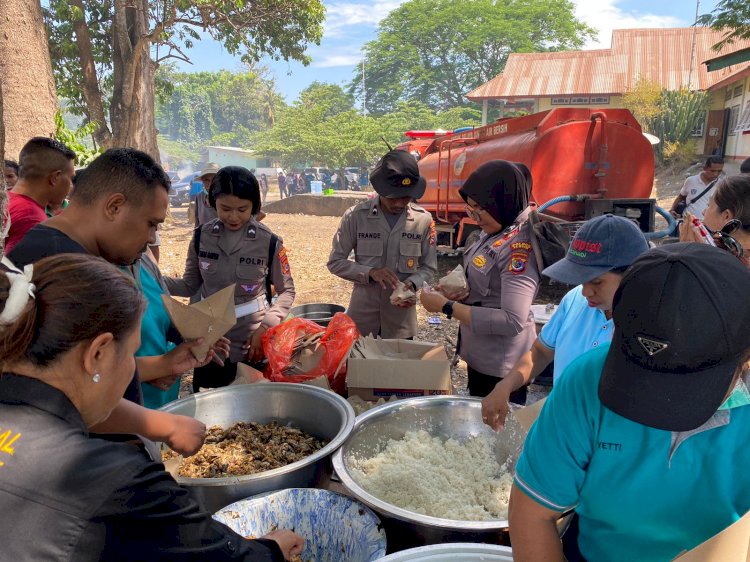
[(497, 326), (646, 439)]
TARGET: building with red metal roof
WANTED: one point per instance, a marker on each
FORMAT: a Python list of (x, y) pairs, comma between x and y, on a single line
[(672, 58)]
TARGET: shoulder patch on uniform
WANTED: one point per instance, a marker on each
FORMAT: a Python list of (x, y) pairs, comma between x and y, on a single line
[(518, 261), (251, 232), (521, 246), (284, 261)]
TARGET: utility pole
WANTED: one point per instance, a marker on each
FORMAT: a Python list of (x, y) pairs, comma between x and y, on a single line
[(692, 47), (364, 87)]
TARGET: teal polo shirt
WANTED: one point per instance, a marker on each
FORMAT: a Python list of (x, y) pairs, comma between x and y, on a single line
[(154, 328), (574, 329), (641, 493)]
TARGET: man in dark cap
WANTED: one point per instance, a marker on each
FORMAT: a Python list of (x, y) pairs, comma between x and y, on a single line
[(393, 241)]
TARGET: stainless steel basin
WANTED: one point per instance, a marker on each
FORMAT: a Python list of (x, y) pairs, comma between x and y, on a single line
[(316, 411), (442, 416)]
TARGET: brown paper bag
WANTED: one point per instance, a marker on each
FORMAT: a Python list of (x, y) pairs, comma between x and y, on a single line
[(209, 319), (528, 415), (730, 545)]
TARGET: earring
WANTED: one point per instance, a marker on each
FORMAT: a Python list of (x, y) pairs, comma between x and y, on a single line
[(97, 377)]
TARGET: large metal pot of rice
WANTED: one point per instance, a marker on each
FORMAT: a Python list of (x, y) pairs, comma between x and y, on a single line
[(318, 412), (443, 417)]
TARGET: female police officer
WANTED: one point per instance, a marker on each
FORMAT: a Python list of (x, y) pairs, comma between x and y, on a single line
[(236, 248), (497, 326), (393, 241), (65, 494)]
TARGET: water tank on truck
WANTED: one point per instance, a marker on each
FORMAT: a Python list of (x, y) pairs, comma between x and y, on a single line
[(599, 153)]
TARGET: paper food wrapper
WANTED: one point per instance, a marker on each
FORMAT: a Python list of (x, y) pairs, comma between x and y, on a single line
[(209, 319), (527, 416), (401, 295), (455, 281), (730, 545)]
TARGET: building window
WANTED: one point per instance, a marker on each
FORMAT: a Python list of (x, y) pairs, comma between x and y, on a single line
[(737, 91), (734, 115), (699, 126), (579, 100), (560, 101), (600, 100), (728, 94), (743, 123)]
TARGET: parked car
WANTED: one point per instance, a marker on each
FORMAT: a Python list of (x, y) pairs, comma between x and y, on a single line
[(173, 177), (179, 195)]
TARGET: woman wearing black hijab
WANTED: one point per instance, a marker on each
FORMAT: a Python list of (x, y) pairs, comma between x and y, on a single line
[(496, 324)]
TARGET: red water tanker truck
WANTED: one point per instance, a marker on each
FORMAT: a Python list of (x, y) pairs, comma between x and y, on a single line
[(585, 162)]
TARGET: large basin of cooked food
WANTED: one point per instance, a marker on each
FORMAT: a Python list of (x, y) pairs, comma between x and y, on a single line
[(319, 413), (247, 448), (431, 462)]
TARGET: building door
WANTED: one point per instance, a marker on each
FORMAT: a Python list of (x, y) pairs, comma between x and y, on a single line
[(716, 133)]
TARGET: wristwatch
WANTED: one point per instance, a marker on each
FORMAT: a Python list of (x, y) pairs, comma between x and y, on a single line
[(448, 309)]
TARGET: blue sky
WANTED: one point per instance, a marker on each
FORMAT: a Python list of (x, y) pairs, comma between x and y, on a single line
[(351, 24)]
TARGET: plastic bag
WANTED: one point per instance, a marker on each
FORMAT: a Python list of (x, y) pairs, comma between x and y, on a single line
[(281, 347), (402, 295), (455, 281)]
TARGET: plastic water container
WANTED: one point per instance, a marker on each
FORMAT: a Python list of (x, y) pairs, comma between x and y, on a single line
[(316, 187)]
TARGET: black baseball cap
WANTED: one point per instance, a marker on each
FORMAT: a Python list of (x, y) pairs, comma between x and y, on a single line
[(682, 327), (600, 245), (397, 175)]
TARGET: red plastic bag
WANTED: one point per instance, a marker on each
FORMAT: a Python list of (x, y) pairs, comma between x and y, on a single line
[(336, 341)]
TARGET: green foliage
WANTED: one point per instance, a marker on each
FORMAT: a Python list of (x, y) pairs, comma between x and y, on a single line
[(281, 29), (679, 112), (221, 108), (434, 51), (643, 100), (323, 127), (732, 16), (177, 155), (75, 140)]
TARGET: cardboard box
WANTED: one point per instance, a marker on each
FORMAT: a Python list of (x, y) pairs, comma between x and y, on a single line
[(414, 368)]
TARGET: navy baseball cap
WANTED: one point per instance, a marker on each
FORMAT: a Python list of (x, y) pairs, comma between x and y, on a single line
[(600, 245), (682, 328)]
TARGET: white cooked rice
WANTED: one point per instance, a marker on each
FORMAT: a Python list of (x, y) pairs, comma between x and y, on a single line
[(448, 479)]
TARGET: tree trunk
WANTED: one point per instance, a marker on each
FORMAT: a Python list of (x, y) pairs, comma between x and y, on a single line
[(28, 89), (132, 112), (92, 94)]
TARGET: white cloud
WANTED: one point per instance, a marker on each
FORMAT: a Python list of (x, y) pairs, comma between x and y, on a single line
[(342, 15), (329, 61), (606, 15)]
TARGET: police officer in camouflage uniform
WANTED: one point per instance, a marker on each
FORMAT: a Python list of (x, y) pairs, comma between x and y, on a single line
[(236, 248), (393, 241)]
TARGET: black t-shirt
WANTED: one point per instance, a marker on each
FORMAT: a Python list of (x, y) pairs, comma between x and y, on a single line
[(73, 497), (42, 242)]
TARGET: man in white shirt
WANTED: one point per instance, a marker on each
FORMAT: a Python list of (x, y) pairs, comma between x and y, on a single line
[(697, 190)]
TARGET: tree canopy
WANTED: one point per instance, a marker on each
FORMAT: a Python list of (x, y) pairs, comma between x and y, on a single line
[(105, 52), (217, 107), (434, 51), (733, 16), (323, 126)]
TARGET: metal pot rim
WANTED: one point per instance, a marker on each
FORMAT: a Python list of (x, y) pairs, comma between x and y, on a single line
[(342, 406), (397, 512)]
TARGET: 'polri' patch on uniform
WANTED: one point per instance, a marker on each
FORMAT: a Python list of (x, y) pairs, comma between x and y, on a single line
[(284, 260)]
